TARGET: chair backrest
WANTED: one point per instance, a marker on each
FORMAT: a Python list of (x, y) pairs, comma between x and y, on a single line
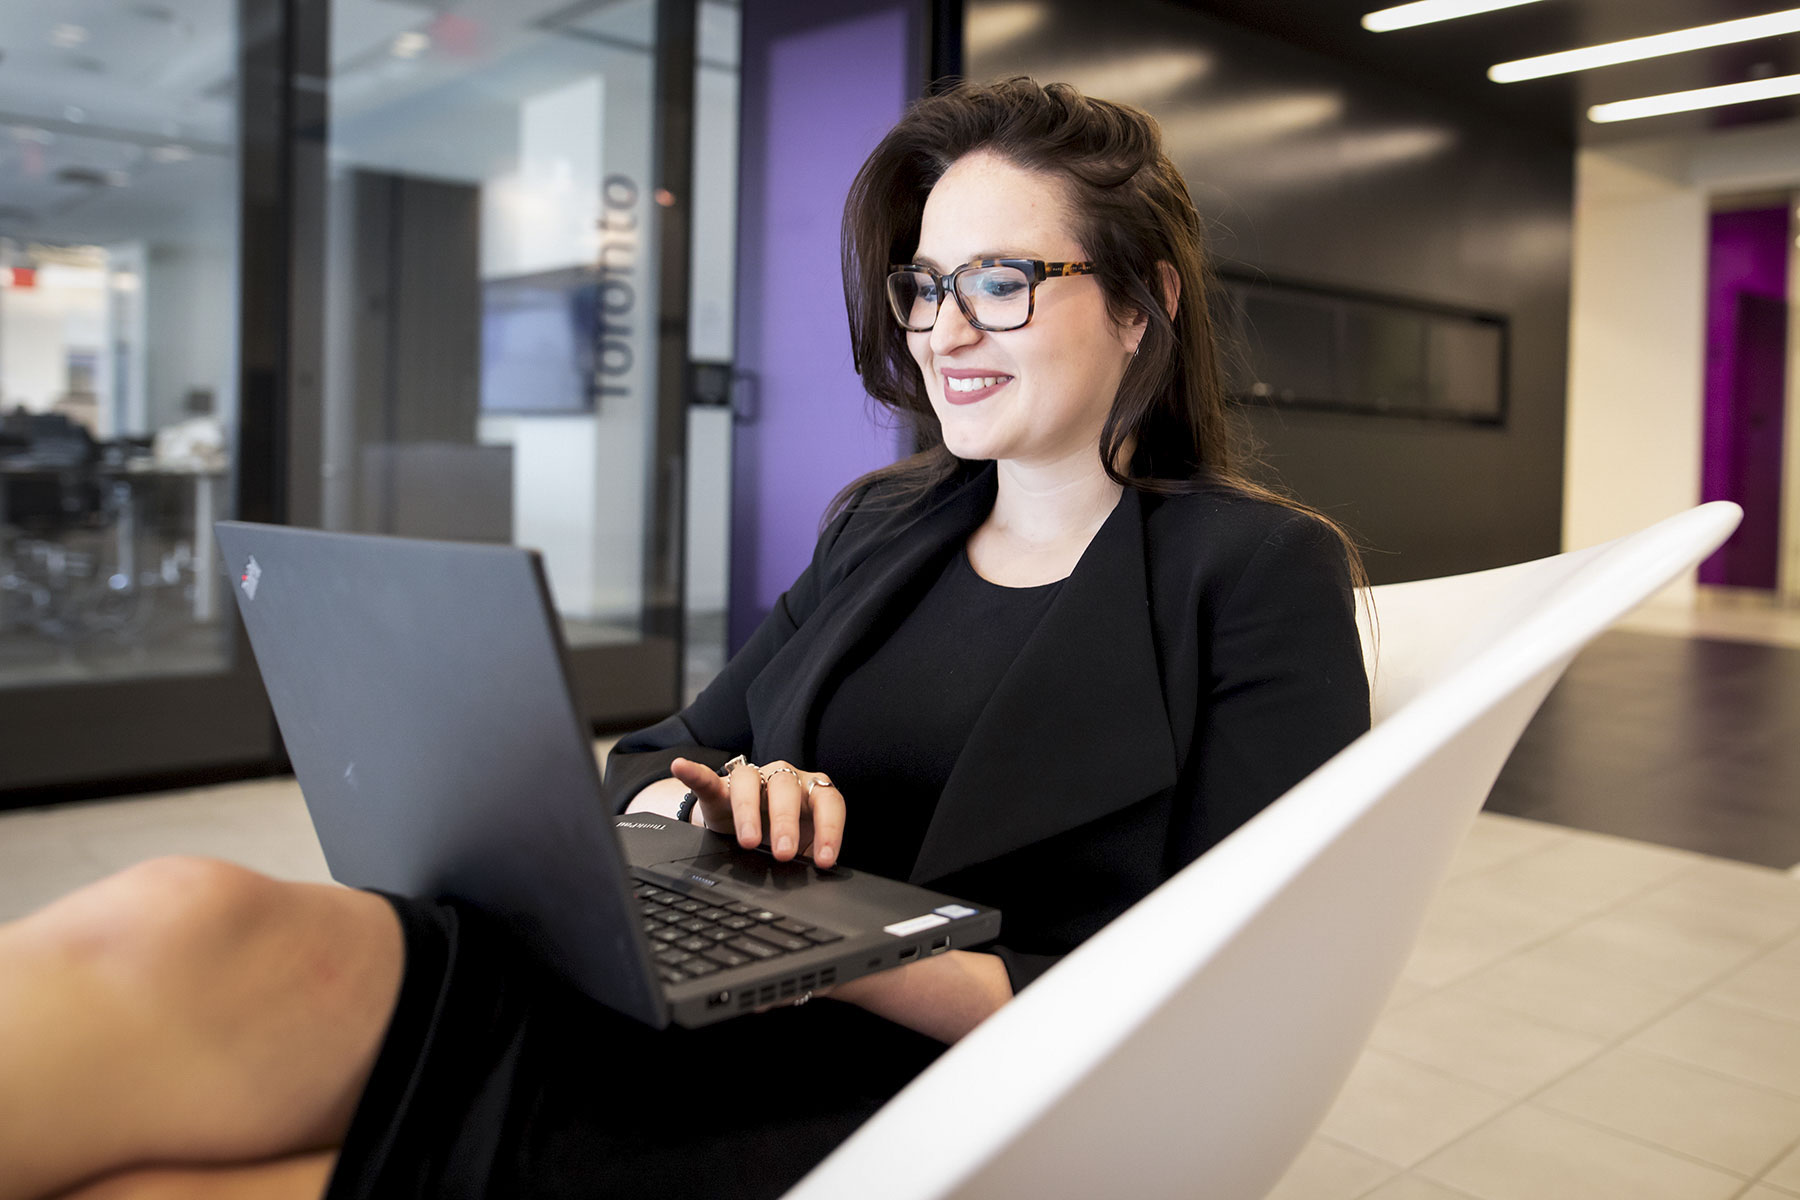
[(1194, 1044), (1439, 624)]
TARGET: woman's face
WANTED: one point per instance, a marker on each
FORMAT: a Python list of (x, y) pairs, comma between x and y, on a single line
[(1058, 374)]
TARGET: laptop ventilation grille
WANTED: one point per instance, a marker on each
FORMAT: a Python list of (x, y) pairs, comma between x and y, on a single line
[(788, 988)]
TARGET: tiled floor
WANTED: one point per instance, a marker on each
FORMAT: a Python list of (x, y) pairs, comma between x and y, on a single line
[(1683, 741), (1584, 1016)]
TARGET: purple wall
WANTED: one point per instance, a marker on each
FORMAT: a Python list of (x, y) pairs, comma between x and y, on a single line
[(1745, 353), (822, 82)]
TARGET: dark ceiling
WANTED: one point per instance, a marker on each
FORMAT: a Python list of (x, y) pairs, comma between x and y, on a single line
[(1451, 58)]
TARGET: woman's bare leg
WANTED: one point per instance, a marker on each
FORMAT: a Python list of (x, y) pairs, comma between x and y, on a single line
[(187, 1011), (303, 1177)]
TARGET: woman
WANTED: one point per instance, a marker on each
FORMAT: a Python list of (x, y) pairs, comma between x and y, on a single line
[(1043, 664)]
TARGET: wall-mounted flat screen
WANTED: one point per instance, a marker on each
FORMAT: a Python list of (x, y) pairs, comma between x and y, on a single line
[(538, 338), (1312, 348)]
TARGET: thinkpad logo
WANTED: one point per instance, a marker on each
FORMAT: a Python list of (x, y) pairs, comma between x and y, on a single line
[(252, 573)]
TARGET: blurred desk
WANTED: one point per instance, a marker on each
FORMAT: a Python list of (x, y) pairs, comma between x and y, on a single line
[(205, 481), (69, 496)]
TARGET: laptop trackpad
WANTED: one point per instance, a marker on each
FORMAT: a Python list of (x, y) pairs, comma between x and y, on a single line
[(750, 868)]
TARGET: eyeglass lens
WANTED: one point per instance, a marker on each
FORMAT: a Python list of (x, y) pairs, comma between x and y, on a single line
[(998, 298)]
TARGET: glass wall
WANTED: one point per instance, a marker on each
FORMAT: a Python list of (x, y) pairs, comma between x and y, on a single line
[(118, 347), (429, 270), (492, 356), (490, 289)]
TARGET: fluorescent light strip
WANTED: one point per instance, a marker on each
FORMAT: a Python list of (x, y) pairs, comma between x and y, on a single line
[(1711, 97), (1634, 49), (1424, 12)]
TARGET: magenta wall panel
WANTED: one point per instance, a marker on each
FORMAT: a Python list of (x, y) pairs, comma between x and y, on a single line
[(1746, 335)]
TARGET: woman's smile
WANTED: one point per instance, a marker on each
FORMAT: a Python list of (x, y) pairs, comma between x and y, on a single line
[(966, 385)]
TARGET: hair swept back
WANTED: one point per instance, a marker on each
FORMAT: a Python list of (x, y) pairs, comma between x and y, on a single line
[(1131, 211)]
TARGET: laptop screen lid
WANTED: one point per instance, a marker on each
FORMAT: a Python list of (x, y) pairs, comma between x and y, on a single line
[(436, 739)]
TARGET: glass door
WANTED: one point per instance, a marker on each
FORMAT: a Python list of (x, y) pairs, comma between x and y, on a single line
[(500, 237), (122, 139)]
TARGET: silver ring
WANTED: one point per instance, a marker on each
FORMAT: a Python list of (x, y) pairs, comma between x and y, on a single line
[(774, 771), (817, 781), (804, 997)]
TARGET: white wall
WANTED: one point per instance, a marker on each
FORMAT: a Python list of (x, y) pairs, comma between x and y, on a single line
[(190, 328), (40, 325), (1638, 328), (1636, 349), (33, 368)]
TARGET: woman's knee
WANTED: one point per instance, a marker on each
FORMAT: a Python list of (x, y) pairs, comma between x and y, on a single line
[(249, 1008), (208, 944), (157, 917)]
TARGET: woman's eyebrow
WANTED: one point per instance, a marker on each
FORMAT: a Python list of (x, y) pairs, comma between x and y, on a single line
[(925, 260)]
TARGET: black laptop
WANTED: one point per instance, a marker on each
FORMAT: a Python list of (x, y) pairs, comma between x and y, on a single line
[(422, 691)]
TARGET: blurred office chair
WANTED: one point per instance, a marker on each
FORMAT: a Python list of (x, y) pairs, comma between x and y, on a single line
[(1194, 1045)]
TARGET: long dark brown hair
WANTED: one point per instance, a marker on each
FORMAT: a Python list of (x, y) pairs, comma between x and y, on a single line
[(1131, 211)]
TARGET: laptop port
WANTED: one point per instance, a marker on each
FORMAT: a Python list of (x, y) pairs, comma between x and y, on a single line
[(909, 953), (941, 945), (718, 999)]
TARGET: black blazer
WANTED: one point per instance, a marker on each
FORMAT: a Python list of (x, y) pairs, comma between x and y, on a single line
[(1200, 660)]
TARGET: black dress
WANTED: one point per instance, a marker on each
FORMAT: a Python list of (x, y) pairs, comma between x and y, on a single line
[(495, 1079)]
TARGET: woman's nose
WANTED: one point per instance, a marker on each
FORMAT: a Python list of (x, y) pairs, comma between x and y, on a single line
[(952, 329)]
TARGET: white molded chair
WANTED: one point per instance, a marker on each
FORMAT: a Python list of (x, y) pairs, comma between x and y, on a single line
[(1193, 1046)]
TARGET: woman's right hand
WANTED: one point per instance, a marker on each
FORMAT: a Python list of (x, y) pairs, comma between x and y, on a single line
[(800, 809)]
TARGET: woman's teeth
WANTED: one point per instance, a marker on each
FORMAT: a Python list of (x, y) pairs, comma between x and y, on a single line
[(975, 385)]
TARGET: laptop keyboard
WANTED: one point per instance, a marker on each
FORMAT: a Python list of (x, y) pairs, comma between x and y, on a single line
[(692, 937)]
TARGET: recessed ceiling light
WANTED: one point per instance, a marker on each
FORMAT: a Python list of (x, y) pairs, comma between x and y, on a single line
[(1724, 33), (990, 26), (1425, 12), (1698, 98), (172, 153), (1153, 73), (410, 44), (68, 36)]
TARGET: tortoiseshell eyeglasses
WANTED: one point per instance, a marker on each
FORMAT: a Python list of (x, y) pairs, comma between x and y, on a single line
[(995, 294)]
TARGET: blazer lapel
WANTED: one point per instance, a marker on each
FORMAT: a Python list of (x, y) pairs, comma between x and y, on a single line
[(1077, 728), (785, 693)]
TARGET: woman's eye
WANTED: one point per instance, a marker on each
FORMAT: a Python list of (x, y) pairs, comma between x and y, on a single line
[(1001, 287)]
